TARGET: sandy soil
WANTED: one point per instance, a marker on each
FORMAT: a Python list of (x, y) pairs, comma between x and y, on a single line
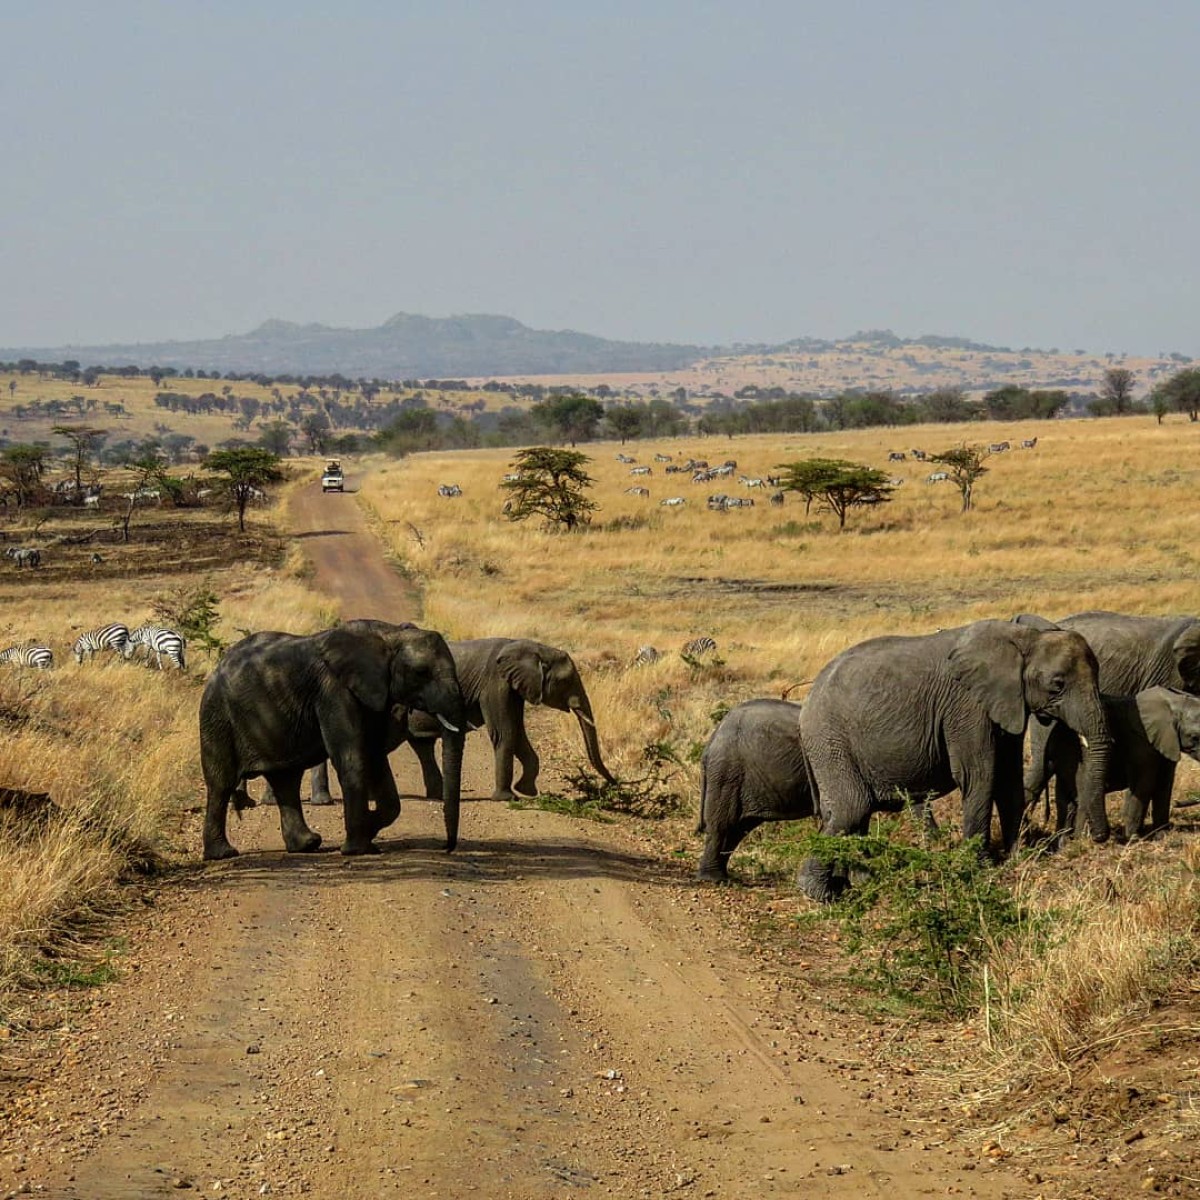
[(551, 1011)]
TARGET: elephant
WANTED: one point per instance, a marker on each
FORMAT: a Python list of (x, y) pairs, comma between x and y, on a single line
[(279, 703), (1149, 732), (1134, 653), (499, 676), (752, 771), (917, 716)]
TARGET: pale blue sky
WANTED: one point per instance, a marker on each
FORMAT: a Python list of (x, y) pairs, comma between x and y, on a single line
[(1023, 173)]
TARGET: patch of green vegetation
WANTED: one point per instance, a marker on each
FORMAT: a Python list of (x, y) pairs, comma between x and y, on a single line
[(921, 921), (60, 972), (567, 806)]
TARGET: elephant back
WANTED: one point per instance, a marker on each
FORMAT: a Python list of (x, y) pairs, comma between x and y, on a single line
[(1135, 652)]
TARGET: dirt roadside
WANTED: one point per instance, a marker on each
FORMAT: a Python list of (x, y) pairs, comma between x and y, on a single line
[(549, 1012)]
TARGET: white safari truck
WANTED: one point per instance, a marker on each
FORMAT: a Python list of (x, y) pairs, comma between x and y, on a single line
[(333, 480)]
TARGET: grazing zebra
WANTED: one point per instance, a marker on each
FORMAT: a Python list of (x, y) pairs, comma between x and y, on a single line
[(716, 501), (696, 464), (158, 641), (731, 463), (24, 556), (775, 481), (512, 477), (637, 491), (895, 456), (738, 502), (1028, 443), (107, 637), (449, 489), (641, 470), (998, 447), (676, 469), (673, 502), (702, 476), (776, 497), (40, 657), (919, 455), (646, 655), (698, 646), (721, 471), (624, 458), (938, 477), (662, 458), (755, 482)]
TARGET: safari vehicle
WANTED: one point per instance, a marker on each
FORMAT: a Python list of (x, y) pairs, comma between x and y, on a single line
[(333, 479)]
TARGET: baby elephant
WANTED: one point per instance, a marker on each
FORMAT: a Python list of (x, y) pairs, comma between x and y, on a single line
[(752, 771), (1149, 732)]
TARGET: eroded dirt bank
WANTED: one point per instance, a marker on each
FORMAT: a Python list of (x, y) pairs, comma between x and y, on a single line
[(549, 1012)]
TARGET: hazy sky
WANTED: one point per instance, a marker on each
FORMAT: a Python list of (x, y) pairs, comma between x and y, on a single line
[(1023, 173)]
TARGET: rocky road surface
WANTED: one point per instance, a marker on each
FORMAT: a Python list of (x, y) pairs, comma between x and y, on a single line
[(549, 1012)]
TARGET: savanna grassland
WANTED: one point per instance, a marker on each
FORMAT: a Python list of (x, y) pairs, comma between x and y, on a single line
[(1101, 514), (112, 743)]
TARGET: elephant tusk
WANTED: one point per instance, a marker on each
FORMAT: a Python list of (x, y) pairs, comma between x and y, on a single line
[(584, 717), (1084, 741), (451, 728)]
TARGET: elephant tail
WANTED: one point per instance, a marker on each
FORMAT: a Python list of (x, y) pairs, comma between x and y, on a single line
[(700, 828), (242, 799)]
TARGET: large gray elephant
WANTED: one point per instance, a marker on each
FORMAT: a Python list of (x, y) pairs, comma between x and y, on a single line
[(279, 703), (1149, 732), (1133, 653), (752, 771), (499, 676), (900, 719)]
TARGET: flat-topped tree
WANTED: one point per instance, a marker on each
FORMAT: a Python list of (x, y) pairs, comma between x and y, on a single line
[(550, 484), (964, 465), (836, 484), (85, 443), (247, 469)]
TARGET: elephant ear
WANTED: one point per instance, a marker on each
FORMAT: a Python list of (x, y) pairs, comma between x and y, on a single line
[(525, 670), (360, 660), (1158, 720), (1186, 652), (989, 663)]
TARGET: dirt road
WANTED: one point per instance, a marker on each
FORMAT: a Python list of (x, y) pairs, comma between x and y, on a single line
[(549, 1012)]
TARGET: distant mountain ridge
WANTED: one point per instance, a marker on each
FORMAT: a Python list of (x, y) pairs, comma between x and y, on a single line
[(404, 347)]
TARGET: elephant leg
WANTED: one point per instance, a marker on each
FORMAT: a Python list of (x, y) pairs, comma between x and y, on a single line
[(847, 813), (318, 781), (355, 775), (1133, 811), (530, 764), (1009, 794), (431, 774), (502, 754), (387, 801), (1160, 801), (216, 843), (720, 844), (297, 836)]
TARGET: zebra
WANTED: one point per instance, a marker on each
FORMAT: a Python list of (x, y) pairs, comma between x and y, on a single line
[(998, 447), (24, 556), (1028, 443), (938, 477), (702, 476), (673, 501), (919, 455), (158, 641), (107, 637), (895, 456), (637, 491), (449, 489), (641, 470), (776, 498), (624, 458), (676, 469), (662, 458), (755, 482), (646, 655), (513, 476), (717, 501), (739, 502), (721, 471), (699, 646), (39, 657)]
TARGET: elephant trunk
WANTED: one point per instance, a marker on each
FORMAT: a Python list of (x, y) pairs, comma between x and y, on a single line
[(591, 740), (452, 756), (1087, 721)]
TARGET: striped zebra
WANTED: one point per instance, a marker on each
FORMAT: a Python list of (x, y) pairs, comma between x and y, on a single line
[(646, 655), (673, 502), (159, 642), (107, 637), (699, 646), (40, 657), (449, 489), (24, 556)]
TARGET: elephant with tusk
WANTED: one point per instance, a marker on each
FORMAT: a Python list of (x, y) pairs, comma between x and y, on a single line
[(498, 676)]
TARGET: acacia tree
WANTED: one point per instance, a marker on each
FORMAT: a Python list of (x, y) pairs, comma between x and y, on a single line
[(626, 420), (247, 469), (1117, 389), (23, 466), (551, 484), (964, 465), (1181, 391), (836, 484), (573, 417), (85, 442)]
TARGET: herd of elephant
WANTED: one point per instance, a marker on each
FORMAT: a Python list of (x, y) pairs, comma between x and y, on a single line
[(898, 720), (889, 721)]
